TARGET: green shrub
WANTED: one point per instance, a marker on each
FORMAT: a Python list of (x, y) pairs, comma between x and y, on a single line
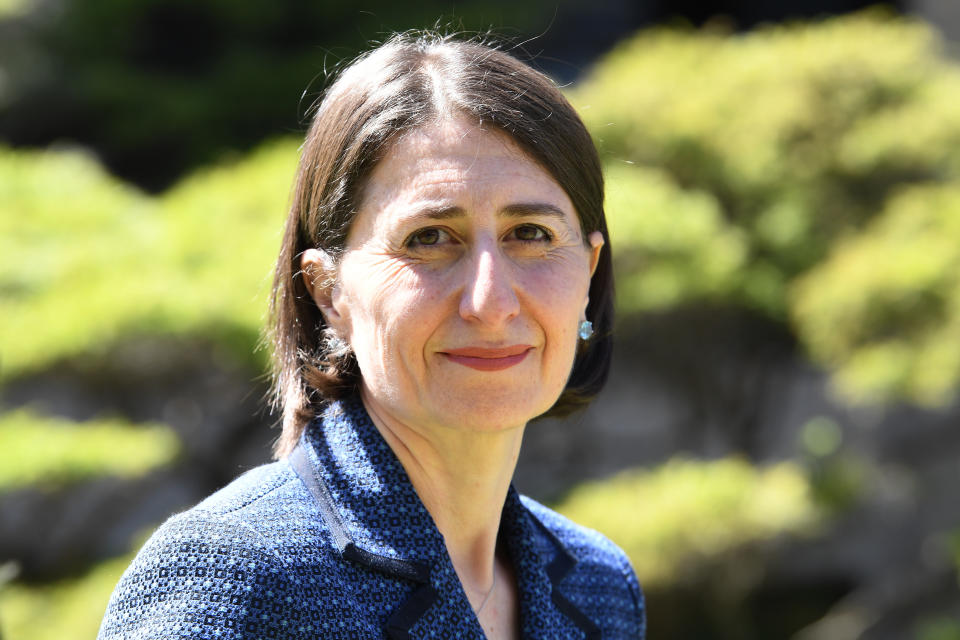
[(87, 261), (70, 239), (685, 512), (669, 243), (884, 310), (757, 171), (48, 451), (224, 228)]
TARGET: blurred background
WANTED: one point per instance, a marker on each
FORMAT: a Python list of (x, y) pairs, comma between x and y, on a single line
[(778, 449)]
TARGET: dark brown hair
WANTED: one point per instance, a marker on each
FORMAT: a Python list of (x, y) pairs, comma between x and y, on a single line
[(408, 82)]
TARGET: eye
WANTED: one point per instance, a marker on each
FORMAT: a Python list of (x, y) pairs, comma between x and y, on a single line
[(532, 233), (431, 236)]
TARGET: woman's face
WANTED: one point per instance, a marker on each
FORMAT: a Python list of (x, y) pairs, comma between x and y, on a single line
[(463, 282)]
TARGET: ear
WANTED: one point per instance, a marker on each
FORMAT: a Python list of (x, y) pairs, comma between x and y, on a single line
[(320, 277), (596, 246)]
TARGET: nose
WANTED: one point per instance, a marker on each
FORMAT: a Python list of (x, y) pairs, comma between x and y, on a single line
[(488, 295)]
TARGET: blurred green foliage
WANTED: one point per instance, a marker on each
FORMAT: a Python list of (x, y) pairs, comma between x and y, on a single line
[(38, 450), (87, 260), (11, 8), (838, 476), (686, 512), (809, 172), (72, 240), (939, 629), (670, 243), (71, 608), (883, 311)]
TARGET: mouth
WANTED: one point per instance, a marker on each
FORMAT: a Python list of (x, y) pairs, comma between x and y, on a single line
[(483, 359)]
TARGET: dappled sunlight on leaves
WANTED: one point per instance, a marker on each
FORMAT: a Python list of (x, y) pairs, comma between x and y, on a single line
[(671, 518)]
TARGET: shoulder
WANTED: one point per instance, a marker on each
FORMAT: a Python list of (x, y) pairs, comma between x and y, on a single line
[(262, 488), (602, 578), (587, 545), (219, 568)]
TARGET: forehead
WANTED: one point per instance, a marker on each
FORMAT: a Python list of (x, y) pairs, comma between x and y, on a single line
[(455, 163)]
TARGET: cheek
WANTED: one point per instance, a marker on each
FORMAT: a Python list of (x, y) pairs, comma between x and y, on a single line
[(391, 307), (559, 287), (558, 292)]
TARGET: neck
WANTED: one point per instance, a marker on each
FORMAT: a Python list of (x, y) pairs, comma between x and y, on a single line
[(462, 478)]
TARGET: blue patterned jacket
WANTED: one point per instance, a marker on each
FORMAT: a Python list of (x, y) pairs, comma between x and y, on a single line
[(334, 543)]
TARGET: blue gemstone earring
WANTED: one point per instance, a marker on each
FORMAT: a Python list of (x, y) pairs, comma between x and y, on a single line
[(585, 330)]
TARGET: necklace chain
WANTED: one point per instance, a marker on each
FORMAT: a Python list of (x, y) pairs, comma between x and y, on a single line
[(486, 598)]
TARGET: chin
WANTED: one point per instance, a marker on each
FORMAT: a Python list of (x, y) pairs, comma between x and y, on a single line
[(492, 411)]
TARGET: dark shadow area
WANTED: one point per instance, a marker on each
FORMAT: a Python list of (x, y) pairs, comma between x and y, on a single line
[(158, 88)]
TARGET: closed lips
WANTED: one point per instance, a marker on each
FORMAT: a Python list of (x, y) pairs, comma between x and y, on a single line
[(485, 359)]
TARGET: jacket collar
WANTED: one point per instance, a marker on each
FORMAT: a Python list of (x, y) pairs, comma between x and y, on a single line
[(377, 520)]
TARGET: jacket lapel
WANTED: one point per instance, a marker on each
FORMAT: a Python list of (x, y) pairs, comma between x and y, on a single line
[(542, 562), (377, 521)]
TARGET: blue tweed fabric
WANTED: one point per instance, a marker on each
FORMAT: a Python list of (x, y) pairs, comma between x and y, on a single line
[(334, 543)]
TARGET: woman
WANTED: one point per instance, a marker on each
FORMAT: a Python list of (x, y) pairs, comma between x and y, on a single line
[(444, 265)]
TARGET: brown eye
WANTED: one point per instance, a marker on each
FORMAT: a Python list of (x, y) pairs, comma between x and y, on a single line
[(531, 233), (425, 237)]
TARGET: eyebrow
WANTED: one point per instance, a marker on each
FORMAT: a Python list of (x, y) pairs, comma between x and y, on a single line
[(517, 210), (436, 213), (533, 209)]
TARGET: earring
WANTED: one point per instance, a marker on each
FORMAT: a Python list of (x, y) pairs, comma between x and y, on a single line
[(335, 345), (585, 330)]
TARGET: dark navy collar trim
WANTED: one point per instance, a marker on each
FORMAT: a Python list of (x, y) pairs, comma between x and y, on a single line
[(557, 570), (391, 566), (564, 562), (399, 625), (567, 608)]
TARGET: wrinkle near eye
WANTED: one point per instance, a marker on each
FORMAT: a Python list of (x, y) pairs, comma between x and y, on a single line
[(391, 270)]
